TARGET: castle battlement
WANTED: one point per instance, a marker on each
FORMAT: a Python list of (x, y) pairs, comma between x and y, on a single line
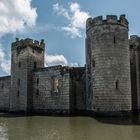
[(28, 42), (110, 19), (134, 38), (134, 42)]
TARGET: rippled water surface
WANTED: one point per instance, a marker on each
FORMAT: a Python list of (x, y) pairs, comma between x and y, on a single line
[(68, 128)]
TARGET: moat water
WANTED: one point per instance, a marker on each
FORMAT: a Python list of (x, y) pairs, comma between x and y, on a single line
[(68, 128)]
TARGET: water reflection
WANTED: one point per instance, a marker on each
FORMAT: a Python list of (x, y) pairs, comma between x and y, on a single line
[(3, 131), (68, 128)]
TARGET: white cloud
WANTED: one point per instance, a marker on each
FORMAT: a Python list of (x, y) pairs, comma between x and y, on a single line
[(15, 15), (51, 60), (2, 54), (61, 11), (75, 64), (76, 17), (5, 64), (72, 31)]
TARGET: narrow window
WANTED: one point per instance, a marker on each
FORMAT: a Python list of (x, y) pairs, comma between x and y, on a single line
[(117, 84), (18, 82), (131, 47), (18, 87), (114, 39), (37, 92), (18, 93), (19, 64), (2, 86), (37, 81), (93, 63), (35, 64)]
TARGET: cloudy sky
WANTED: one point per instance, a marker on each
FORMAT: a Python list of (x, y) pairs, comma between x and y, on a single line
[(61, 23)]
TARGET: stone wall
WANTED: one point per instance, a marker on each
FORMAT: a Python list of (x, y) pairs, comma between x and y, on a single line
[(51, 90), (135, 71), (110, 66), (5, 87), (26, 56), (78, 89), (89, 73), (68, 98)]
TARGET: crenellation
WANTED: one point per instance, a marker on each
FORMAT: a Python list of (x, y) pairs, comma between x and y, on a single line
[(110, 19), (36, 42), (123, 21), (42, 41), (28, 42), (134, 42), (17, 39), (89, 23), (97, 20)]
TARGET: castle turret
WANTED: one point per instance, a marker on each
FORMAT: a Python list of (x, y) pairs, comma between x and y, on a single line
[(108, 66), (135, 71), (27, 55)]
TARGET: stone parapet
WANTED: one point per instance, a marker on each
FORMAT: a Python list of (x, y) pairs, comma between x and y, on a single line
[(110, 19)]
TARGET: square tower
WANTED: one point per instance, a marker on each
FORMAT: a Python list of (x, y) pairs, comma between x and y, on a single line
[(27, 55)]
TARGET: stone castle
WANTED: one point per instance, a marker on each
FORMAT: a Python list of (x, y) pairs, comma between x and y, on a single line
[(109, 84)]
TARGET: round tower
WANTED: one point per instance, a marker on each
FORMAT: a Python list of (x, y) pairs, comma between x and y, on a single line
[(108, 65)]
